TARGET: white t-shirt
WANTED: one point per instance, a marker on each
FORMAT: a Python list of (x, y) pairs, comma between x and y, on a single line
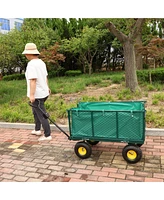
[(36, 69)]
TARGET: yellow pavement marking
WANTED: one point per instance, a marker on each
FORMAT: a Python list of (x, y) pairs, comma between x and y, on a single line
[(15, 145), (19, 150)]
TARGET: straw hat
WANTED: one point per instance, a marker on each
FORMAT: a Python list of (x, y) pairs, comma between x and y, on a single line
[(30, 48)]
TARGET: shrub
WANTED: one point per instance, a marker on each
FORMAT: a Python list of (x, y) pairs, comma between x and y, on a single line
[(117, 79), (55, 73), (150, 87), (155, 75), (159, 97), (124, 94), (143, 75), (73, 73), (14, 77)]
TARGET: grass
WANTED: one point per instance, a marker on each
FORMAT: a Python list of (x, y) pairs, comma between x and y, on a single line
[(67, 85), (157, 119), (14, 103)]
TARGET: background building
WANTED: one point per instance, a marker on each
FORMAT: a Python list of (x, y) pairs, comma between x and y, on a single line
[(7, 24)]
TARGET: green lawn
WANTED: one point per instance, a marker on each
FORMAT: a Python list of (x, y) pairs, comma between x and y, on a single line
[(14, 103)]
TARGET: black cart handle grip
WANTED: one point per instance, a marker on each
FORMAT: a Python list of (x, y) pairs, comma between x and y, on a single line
[(31, 104)]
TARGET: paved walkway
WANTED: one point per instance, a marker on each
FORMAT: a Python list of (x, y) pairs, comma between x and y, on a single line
[(23, 158)]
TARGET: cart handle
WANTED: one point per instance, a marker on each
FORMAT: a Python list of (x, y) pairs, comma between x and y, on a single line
[(47, 116)]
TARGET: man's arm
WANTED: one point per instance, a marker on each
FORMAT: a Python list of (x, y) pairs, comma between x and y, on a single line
[(32, 89), (48, 86)]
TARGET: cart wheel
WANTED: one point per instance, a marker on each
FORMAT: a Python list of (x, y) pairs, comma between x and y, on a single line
[(83, 150), (92, 142), (132, 154)]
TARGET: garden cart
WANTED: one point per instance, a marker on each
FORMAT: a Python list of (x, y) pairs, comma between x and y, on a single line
[(92, 122)]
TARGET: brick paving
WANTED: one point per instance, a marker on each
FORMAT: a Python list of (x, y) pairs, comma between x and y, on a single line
[(24, 159)]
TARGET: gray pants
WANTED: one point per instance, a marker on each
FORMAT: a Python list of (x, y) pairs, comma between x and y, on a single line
[(39, 118)]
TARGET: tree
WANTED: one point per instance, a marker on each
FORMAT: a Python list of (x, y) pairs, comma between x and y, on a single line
[(66, 29), (13, 43), (84, 47), (154, 50), (52, 57), (36, 31), (128, 42), (8, 52)]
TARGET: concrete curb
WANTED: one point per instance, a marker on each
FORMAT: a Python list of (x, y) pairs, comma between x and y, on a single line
[(149, 131), (29, 126), (154, 132)]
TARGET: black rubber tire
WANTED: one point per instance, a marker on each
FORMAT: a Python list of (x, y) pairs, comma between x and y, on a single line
[(92, 142), (132, 154), (83, 150)]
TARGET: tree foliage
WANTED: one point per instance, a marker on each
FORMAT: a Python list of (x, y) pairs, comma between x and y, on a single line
[(84, 44), (52, 57), (154, 50)]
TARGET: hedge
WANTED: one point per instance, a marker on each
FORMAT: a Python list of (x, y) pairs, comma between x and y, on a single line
[(13, 77), (153, 75), (146, 75), (73, 73)]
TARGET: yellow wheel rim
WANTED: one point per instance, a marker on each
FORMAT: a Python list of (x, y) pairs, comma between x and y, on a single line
[(131, 154), (82, 151)]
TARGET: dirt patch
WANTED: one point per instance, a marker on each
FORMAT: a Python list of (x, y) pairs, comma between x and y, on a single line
[(91, 92)]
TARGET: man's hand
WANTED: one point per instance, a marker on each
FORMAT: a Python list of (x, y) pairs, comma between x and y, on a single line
[(49, 91), (32, 99)]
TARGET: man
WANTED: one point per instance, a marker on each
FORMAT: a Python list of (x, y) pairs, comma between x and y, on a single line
[(37, 89)]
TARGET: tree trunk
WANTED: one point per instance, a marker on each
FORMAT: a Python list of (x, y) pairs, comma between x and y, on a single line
[(154, 63), (90, 68), (130, 66), (128, 42), (139, 61)]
